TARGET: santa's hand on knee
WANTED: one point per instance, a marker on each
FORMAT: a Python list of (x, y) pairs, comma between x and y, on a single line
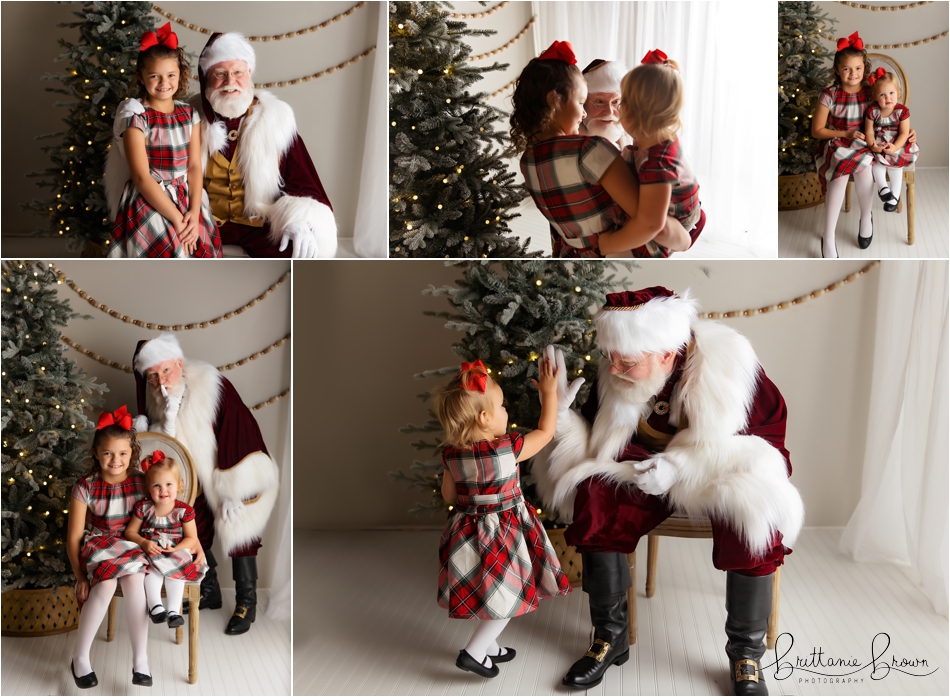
[(656, 475)]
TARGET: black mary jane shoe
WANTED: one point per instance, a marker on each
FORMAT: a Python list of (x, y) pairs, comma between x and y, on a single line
[(141, 679), (175, 620), (889, 199), (508, 655), (466, 662), (158, 617), (865, 242), (86, 681)]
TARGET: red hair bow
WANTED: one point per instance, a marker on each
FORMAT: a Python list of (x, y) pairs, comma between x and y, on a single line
[(876, 75), (164, 36), (120, 417), (474, 376), (853, 41), (559, 51), (153, 459), (654, 57)]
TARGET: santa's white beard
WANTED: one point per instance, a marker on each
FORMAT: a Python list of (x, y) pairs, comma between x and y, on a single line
[(640, 391), (611, 130), (230, 104), (176, 390)]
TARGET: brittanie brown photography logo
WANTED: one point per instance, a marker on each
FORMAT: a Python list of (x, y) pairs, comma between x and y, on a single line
[(822, 666)]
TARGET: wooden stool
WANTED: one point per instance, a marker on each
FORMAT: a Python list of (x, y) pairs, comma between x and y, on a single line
[(678, 525)]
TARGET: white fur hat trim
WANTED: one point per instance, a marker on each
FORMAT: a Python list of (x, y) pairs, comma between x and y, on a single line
[(228, 47), (605, 77), (162, 348), (657, 326)]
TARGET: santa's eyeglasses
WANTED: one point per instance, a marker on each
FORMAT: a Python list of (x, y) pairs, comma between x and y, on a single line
[(223, 74)]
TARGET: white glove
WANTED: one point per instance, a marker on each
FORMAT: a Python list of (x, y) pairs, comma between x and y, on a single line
[(172, 405), (566, 394), (126, 110), (232, 511), (140, 423), (656, 476), (305, 244)]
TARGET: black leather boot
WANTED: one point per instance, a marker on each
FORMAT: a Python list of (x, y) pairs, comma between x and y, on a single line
[(606, 581), (245, 600), (748, 606), (210, 590)]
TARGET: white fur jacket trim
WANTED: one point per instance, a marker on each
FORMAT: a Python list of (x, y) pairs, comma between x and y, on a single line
[(256, 474), (717, 472)]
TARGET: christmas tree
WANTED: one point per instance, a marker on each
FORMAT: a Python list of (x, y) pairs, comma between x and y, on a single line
[(509, 311), (102, 68), (449, 188), (803, 71), (45, 399)]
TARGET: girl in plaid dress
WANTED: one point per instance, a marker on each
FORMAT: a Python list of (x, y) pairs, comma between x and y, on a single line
[(578, 182), (496, 560), (100, 555), (650, 112), (165, 529), (887, 129), (162, 211)]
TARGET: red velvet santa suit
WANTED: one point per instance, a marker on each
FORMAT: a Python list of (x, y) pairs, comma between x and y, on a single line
[(608, 518), (229, 454)]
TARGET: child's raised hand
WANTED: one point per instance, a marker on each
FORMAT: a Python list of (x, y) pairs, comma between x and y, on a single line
[(547, 379)]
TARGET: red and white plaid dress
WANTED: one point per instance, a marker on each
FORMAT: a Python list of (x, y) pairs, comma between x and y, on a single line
[(140, 230), (104, 552), (166, 531), (666, 163), (840, 157), (886, 130), (496, 560), (563, 177)]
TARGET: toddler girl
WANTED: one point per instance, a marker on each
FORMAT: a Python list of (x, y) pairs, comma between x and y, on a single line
[(887, 129), (165, 529), (578, 182), (652, 98), (98, 552), (161, 213), (492, 540)]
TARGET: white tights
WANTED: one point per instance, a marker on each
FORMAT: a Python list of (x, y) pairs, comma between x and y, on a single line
[(834, 197), (895, 174), (94, 611), (483, 641), (174, 591)]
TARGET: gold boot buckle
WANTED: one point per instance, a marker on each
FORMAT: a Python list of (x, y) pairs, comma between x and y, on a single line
[(240, 611), (746, 669), (600, 655)]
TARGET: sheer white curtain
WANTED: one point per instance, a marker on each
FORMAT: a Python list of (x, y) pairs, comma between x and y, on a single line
[(281, 593), (726, 53), (371, 229), (902, 515)]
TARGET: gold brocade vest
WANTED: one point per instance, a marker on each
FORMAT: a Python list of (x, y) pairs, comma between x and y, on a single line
[(225, 189), (656, 439)]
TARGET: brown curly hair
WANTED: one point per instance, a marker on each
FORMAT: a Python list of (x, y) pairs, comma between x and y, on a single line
[(532, 113), (849, 52), (159, 52), (108, 433)]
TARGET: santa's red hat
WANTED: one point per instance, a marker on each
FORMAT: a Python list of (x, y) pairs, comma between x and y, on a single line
[(148, 353), (603, 76), (222, 47), (651, 320)]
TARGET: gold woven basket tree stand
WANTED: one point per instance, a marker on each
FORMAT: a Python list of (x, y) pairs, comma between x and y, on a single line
[(797, 191), (39, 612)]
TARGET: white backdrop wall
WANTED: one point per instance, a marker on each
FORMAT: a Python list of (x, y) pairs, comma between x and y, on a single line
[(818, 353), (926, 65), (332, 112), (179, 292)]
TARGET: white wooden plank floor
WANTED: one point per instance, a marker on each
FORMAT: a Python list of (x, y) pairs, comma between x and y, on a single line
[(366, 622), (799, 232), (256, 663)]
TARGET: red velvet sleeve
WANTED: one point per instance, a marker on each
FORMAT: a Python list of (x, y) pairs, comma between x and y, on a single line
[(299, 175), (768, 416), (235, 428)]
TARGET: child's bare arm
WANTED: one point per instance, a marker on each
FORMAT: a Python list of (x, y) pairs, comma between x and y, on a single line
[(902, 134), (189, 236), (190, 539), (142, 179), (74, 532), (674, 236), (448, 487), (645, 225), (132, 533), (547, 424), (869, 136)]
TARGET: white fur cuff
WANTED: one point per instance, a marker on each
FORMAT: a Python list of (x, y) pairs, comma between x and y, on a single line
[(306, 212)]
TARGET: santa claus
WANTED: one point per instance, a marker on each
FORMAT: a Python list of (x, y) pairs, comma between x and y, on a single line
[(603, 101), (194, 403), (682, 418)]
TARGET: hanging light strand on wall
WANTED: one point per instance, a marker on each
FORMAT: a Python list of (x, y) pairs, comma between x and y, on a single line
[(274, 37), (478, 15), (128, 369), (507, 45), (167, 327), (784, 305), (906, 44)]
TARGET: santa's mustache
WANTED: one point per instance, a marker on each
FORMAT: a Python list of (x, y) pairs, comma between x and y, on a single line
[(228, 90)]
